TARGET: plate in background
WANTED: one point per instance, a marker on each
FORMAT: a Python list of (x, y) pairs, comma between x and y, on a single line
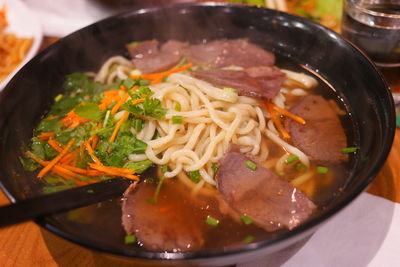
[(23, 23)]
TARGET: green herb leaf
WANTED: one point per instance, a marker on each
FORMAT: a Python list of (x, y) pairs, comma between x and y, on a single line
[(212, 221), (251, 165), (139, 166), (90, 111), (229, 89)]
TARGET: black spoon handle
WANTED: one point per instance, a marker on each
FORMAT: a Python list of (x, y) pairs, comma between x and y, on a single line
[(32, 208)]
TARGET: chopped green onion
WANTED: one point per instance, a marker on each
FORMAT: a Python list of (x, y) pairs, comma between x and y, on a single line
[(164, 168), (322, 170), (58, 97), (248, 239), (178, 106), (133, 44), (195, 176), (84, 178), (229, 89), (130, 239), (177, 119), (214, 168), (157, 192), (348, 150), (291, 159), (251, 165), (128, 83), (212, 221), (246, 220), (90, 191), (106, 118), (70, 182), (300, 167)]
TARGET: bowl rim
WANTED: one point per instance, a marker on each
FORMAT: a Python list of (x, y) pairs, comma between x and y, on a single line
[(314, 222)]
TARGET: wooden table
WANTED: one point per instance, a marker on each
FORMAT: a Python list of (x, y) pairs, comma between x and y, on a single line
[(29, 245)]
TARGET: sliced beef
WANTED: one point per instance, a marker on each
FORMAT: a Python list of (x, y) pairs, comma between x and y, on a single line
[(323, 136), (261, 82), (148, 58), (169, 224), (143, 49), (271, 202), (222, 53)]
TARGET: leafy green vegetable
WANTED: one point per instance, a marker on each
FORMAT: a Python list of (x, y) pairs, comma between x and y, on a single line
[(177, 119), (120, 149), (151, 107), (29, 164), (53, 125), (139, 166), (89, 110)]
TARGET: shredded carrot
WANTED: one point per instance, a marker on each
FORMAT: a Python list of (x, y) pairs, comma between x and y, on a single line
[(137, 101), (277, 120), (94, 141), (54, 144), (70, 158), (123, 88), (110, 96), (60, 170), (72, 120), (91, 153), (46, 136), (51, 118), (288, 114), (156, 81), (111, 171), (119, 123), (56, 159), (119, 103), (160, 75)]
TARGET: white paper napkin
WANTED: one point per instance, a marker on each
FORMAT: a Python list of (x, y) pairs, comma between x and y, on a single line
[(366, 233)]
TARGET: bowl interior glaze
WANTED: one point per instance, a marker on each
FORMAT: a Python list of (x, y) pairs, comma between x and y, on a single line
[(343, 66)]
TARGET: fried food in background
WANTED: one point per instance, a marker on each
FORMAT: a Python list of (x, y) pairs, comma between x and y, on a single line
[(12, 48)]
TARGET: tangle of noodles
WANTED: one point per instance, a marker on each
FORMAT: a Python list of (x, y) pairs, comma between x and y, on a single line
[(212, 119)]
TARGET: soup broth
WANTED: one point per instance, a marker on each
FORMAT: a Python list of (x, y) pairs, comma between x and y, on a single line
[(194, 198)]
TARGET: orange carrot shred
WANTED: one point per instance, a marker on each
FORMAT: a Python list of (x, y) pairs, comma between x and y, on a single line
[(160, 75), (289, 114), (137, 101), (119, 123), (119, 103), (54, 144), (277, 121), (46, 136), (112, 171), (56, 159), (91, 153), (72, 120)]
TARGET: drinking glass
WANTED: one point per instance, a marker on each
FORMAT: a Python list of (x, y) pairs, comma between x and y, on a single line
[(374, 26)]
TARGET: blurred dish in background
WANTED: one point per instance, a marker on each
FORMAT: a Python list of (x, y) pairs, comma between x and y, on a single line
[(325, 12), (20, 38)]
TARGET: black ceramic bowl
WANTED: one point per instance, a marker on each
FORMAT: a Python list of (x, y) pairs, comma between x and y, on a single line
[(344, 67)]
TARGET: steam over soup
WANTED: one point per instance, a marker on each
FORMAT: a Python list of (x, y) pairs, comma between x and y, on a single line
[(222, 146)]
